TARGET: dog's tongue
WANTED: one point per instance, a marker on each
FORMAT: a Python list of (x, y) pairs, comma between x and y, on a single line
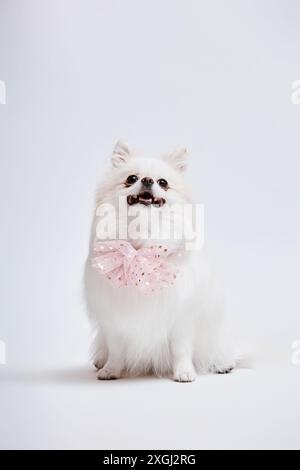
[(145, 198)]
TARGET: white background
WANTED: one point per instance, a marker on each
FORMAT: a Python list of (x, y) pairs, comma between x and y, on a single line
[(213, 76)]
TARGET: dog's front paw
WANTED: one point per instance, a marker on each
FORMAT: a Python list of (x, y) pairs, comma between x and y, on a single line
[(185, 375), (99, 363), (106, 373)]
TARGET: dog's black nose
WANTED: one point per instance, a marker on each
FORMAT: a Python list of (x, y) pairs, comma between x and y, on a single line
[(147, 182)]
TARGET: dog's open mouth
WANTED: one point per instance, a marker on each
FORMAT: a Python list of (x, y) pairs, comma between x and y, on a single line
[(146, 198)]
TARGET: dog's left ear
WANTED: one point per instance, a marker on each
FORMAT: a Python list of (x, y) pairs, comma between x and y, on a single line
[(121, 153), (177, 159)]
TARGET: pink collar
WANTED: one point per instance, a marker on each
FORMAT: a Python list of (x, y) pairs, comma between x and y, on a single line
[(146, 268)]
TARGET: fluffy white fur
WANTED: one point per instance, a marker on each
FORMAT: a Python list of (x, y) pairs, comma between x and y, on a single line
[(177, 332)]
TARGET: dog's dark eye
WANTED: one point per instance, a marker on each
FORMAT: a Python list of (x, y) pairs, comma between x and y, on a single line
[(163, 183), (131, 179)]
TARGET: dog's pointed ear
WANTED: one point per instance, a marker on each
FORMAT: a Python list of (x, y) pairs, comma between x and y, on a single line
[(121, 154), (177, 159)]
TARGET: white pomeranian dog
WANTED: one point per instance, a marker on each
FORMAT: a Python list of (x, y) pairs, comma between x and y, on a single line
[(150, 296)]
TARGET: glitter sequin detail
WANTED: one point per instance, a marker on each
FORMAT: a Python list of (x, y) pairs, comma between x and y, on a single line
[(146, 269)]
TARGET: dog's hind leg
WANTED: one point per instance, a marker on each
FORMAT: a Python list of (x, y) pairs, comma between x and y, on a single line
[(99, 351)]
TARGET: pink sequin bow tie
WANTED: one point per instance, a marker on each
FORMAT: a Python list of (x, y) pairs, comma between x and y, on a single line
[(146, 269)]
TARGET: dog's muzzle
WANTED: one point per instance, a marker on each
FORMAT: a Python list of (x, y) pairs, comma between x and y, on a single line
[(146, 198)]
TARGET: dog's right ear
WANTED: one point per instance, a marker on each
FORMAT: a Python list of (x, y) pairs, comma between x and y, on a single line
[(177, 159), (121, 154)]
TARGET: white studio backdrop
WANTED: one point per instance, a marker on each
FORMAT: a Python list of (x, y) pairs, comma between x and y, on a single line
[(216, 77)]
